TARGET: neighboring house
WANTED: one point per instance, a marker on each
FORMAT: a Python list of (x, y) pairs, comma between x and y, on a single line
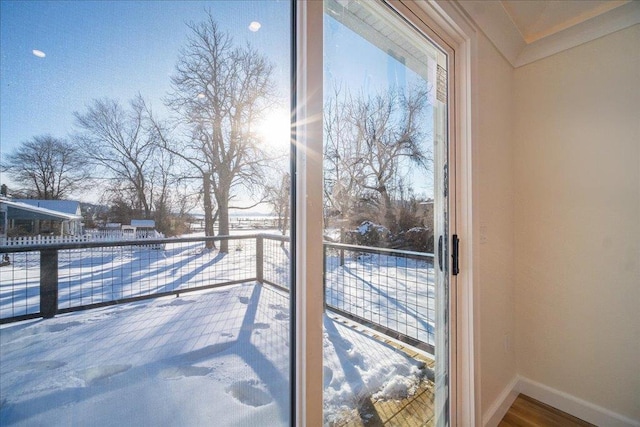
[(27, 217), (141, 229), (138, 229)]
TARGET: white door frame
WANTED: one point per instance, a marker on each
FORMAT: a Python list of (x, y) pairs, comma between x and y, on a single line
[(444, 22)]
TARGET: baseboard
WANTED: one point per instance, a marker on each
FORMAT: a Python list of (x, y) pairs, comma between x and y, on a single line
[(501, 405), (572, 405), (565, 402)]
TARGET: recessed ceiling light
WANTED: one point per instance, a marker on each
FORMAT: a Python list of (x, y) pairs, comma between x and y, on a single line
[(38, 53), (255, 26)]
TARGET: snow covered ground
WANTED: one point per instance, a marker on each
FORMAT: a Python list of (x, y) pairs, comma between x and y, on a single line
[(218, 357)]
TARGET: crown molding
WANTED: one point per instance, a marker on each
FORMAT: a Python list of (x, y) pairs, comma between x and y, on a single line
[(496, 24)]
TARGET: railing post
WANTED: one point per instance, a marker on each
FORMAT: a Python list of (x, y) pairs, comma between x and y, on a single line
[(48, 282), (341, 250), (324, 275), (259, 259)]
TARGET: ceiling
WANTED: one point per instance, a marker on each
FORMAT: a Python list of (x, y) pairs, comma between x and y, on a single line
[(538, 19), (528, 30)]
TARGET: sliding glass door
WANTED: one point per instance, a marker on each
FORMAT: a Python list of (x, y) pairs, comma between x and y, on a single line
[(385, 219), (177, 118)]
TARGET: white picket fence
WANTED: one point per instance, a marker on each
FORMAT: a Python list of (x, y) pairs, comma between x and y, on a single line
[(89, 236)]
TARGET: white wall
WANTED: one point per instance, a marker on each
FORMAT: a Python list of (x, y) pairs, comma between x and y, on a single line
[(493, 119), (576, 150)]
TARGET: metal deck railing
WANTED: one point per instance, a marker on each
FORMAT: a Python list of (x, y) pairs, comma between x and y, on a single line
[(389, 290)]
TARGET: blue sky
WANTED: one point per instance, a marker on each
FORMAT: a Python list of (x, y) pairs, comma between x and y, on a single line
[(117, 49), (113, 49), (354, 63)]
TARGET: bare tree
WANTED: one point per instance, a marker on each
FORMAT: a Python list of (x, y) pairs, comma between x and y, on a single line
[(196, 167), (278, 197), (388, 131), (123, 144), (161, 184), (368, 139), (343, 169), (219, 91), (48, 168)]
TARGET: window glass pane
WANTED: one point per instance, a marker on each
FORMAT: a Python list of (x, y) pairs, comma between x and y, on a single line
[(124, 124), (384, 153)]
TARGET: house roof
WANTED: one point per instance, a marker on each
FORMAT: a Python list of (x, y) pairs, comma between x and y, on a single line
[(143, 223), (70, 207), (19, 210)]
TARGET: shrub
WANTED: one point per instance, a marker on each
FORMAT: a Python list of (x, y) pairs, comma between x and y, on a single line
[(369, 234)]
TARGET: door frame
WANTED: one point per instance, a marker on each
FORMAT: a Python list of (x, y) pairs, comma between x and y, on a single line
[(445, 23)]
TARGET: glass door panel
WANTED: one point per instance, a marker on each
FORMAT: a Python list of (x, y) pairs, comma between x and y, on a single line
[(160, 119), (385, 211)]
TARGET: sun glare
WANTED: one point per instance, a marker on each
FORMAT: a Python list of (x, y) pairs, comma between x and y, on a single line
[(254, 26), (275, 130)]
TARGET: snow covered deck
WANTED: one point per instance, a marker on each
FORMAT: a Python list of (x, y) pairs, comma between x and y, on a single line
[(219, 356), (138, 340)]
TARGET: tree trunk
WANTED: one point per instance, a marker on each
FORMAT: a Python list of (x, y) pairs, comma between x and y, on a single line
[(285, 220), (208, 209), (223, 222), (389, 216)]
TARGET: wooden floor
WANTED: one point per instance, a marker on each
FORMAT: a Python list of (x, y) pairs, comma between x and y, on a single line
[(528, 412)]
